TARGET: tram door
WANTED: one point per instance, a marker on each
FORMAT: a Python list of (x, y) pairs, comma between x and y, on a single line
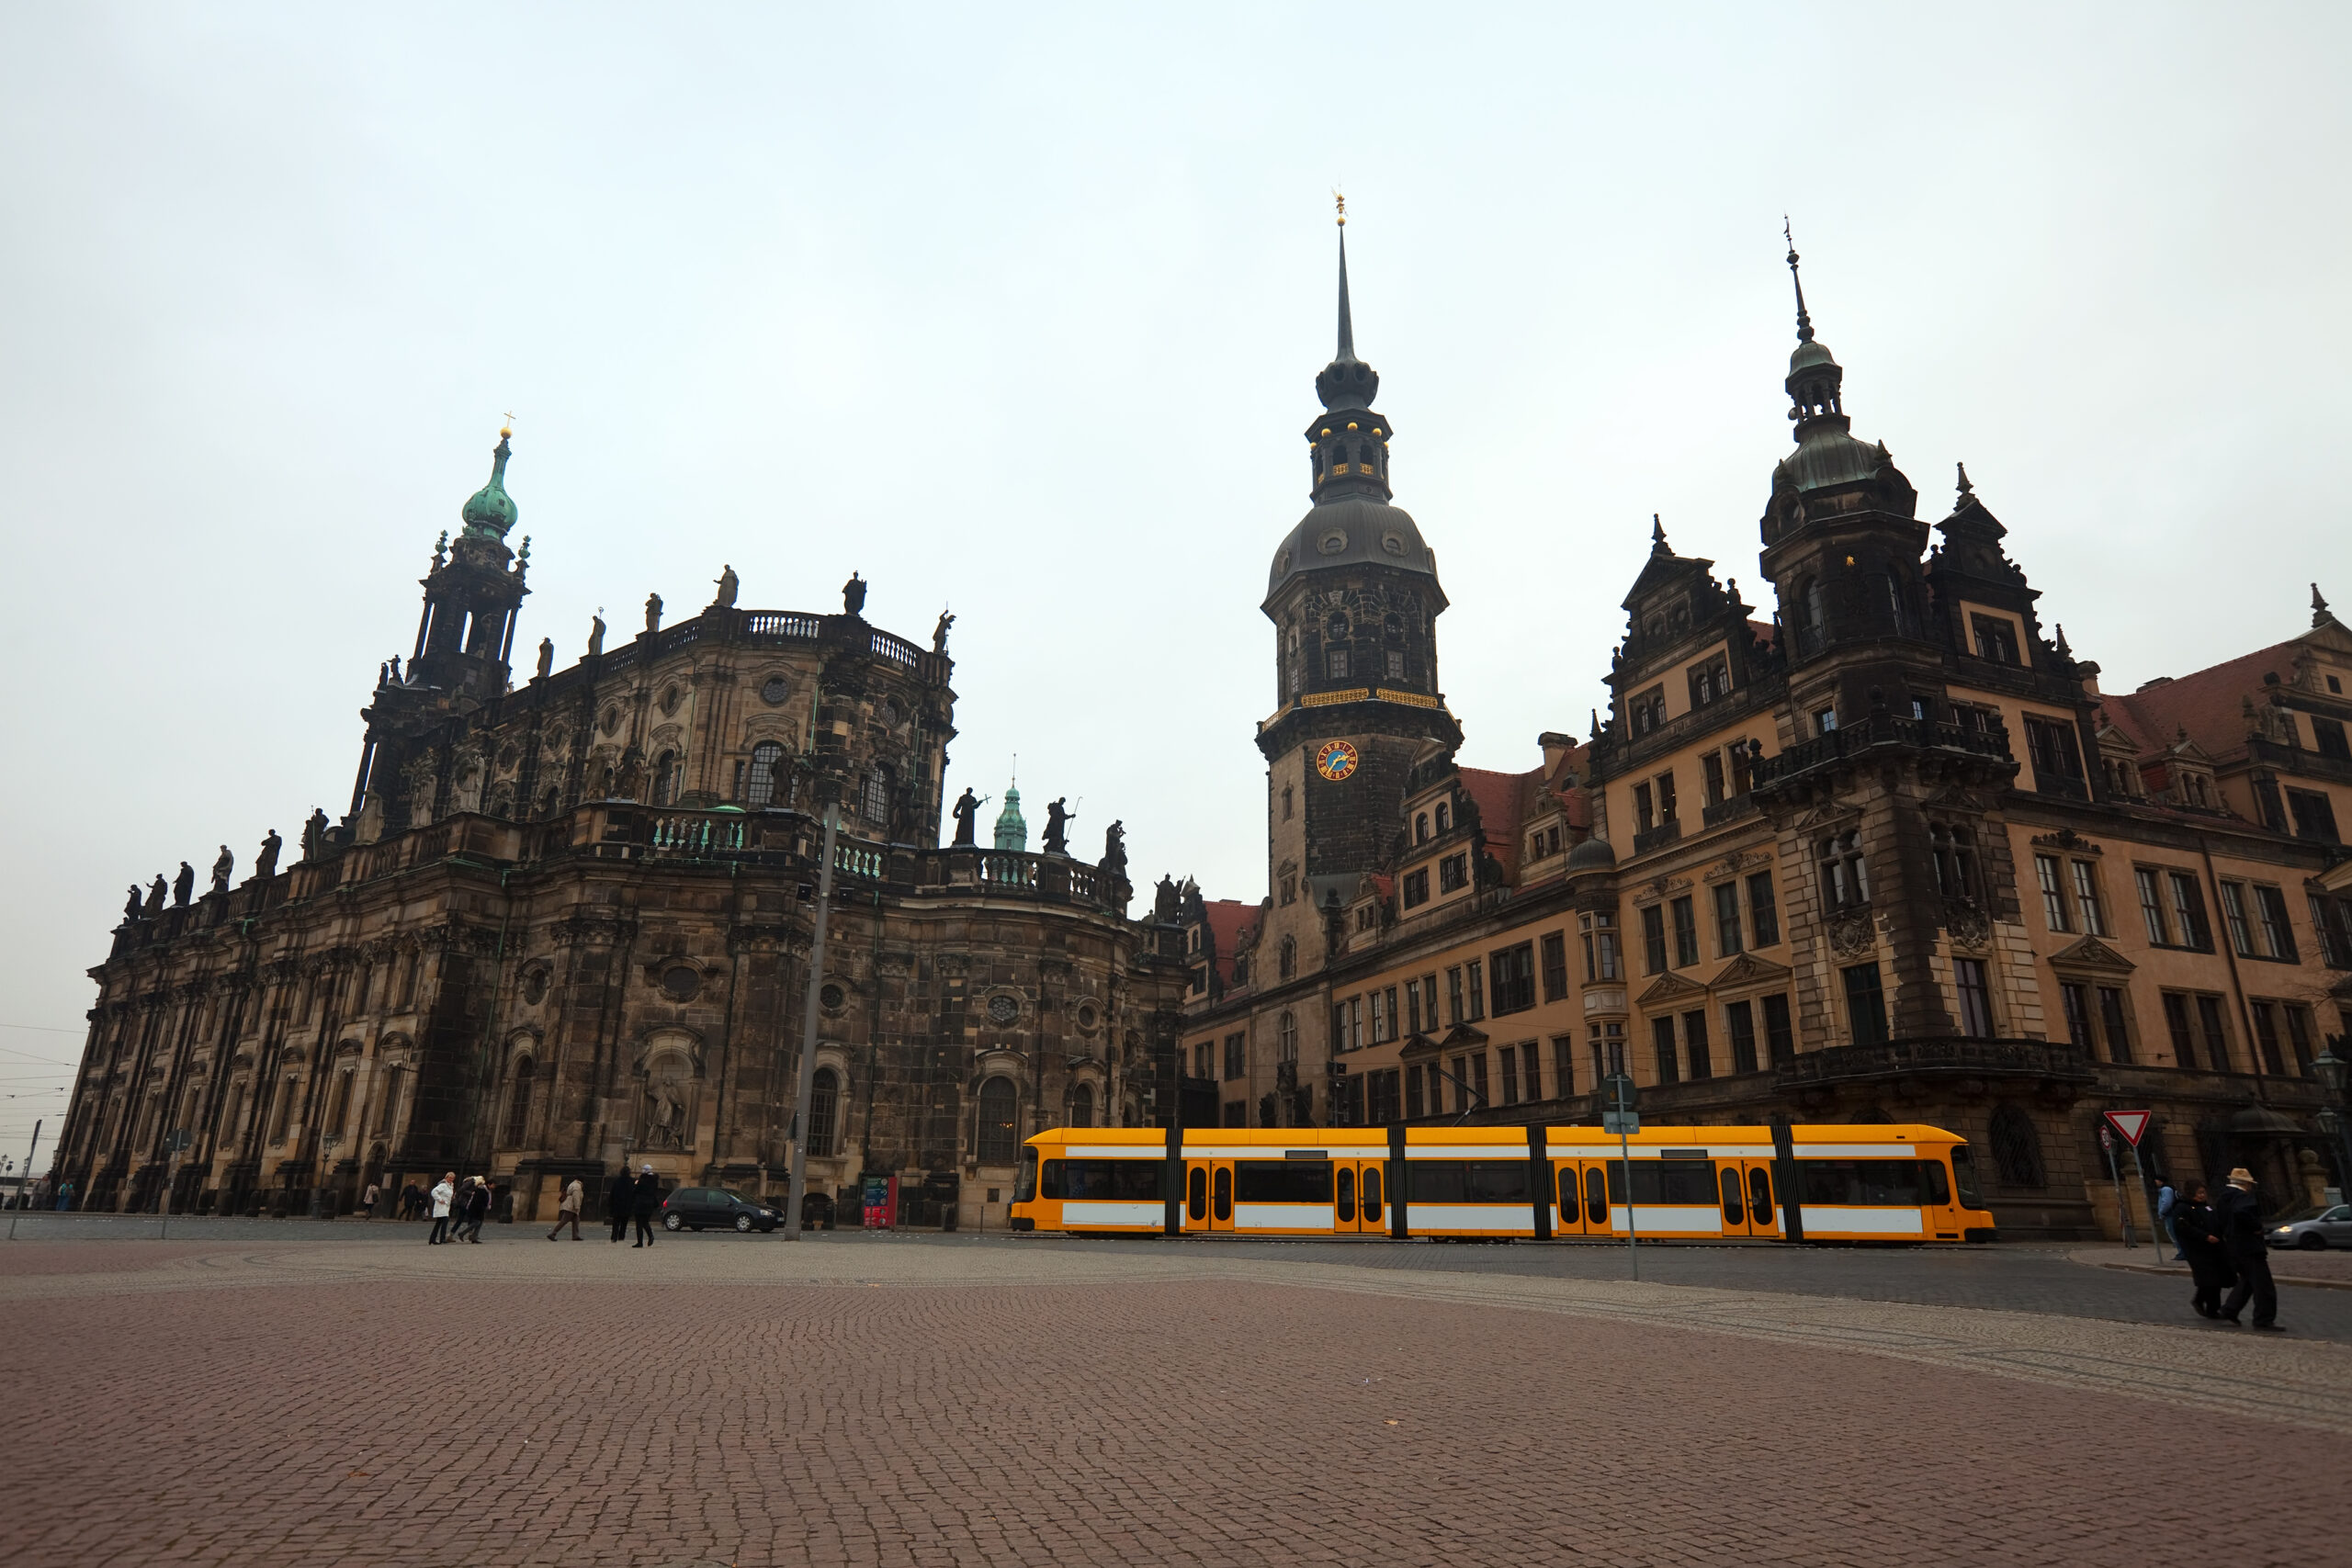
[(1208, 1195), (1745, 1189), (1359, 1196), (1580, 1189), (1762, 1219)]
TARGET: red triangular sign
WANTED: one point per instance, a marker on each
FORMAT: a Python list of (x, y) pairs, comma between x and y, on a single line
[(2130, 1123)]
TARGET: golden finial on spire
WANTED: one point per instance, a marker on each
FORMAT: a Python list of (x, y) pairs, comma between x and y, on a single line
[(507, 429), (1341, 202)]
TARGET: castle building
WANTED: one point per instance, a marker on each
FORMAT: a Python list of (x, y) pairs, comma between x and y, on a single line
[(566, 925), (1889, 854)]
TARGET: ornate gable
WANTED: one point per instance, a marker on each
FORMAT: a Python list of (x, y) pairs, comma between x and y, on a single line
[(1670, 988), (2090, 952)]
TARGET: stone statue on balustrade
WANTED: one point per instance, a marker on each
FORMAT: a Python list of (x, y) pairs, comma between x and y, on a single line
[(1114, 851), (728, 583), (221, 869), (184, 884), (266, 863), (966, 811), (132, 910), (1057, 820), (547, 657), (653, 612), (156, 894), (314, 834), (939, 632), (854, 595), (596, 633)]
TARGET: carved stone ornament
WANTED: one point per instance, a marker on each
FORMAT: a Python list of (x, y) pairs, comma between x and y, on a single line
[(1966, 926), (2068, 840), (1851, 936)]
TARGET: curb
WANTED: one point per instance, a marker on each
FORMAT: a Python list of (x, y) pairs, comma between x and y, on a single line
[(2303, 1280)]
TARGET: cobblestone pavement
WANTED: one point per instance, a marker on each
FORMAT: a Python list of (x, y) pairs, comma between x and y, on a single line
[(856, 1400)]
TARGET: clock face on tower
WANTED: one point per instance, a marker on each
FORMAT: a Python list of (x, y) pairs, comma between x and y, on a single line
[(1335, 760)]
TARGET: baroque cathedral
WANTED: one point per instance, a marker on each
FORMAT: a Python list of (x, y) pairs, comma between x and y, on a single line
[(1884, 852)]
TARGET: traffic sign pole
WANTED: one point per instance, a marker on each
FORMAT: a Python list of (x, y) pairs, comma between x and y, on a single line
[(23, 1192), (2122, 1214), (1621, 1095)]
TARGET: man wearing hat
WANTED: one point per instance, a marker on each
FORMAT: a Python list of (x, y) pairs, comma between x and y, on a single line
[(649, 1202), (2242, 1240)]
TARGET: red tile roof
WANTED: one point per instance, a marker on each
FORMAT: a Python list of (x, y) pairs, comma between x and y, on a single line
[(2210, 705), (1230, 921)]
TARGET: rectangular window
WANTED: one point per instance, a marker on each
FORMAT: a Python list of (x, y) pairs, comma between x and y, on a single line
[(2053, 895), (1686, 934), (1645, 814), (1865, 1005), (1604, 944), (1454, 873), (1237, 1057), (1513, 975), (1556, 966), (1665, 800), (2118, 1028), (1428, 1000), (2298, 1036), (1780, 1035), (1996, 639), (1564, 1066), (2314, 818), (1824, 721), (2152, 906), (1395, 664), (1475, 992), (1412, 1008), (2056, 758), (2265, 1037), (2217, 1043), (1413, 1111), (1532, 1068), (1237, 1113), (2079, 1016), (2184, 1044), (1336, 663), (1710, 777), (1511, 1074), (1727, 942), (2329, 734), (1653, 938), (1379, 1017), (2189, 912), (1696, 1047), (2086, 899), (2333, 921), (1739, 1020), (2277, 935), (1662, 1039), (1205, 1055), (2233, 916), (1976, 998), (1416, 888), (1478, 1079), (1454, 995), (1763, 910)]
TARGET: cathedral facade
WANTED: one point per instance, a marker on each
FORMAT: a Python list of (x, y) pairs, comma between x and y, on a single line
[(1886, 852), (566, 925)]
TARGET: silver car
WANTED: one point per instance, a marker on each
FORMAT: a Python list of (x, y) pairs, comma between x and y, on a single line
[(2315, 1229)]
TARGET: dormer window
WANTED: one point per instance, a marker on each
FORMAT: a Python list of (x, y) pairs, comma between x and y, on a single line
[(1996, 639), (1649, 710), (1420, 827), (1710, 681), (1444, 816)]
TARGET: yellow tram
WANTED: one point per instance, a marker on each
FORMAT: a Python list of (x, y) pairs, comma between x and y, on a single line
[(1893, 1182)]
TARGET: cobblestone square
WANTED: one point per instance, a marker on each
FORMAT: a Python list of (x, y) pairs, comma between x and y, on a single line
[(361, 1399)]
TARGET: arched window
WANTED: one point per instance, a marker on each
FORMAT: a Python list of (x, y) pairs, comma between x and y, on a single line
[(1444, 816), (2017, 1148), (876, 803), (1082, 1106), (758, 789), (824, 1105), (669, 778), (1420, 827), (1290, 958), (1286, 1040), (999, 1143), (518, 1104), (388, 1106)]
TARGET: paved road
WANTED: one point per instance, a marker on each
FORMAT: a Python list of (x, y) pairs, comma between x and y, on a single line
[(234, 1397)]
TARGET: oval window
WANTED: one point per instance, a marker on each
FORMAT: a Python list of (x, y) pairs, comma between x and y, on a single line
[(1394, 543), (680, 982)]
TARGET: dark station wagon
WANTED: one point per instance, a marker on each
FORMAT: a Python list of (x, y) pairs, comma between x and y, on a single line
[(700, 1208)]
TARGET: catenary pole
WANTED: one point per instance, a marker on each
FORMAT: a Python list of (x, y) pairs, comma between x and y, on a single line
[(805, 1080), (21, 1189)]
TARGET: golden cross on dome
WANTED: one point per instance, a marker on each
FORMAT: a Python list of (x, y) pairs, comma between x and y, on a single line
[(1342, 203), (508, 428)]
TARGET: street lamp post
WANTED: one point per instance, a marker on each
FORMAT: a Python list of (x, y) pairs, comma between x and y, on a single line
[(2333, 1071)]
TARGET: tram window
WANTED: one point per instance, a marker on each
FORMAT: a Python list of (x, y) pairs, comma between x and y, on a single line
[(1938, 1189), (1666, 1181), (1281, 1181), (1963, 1176), (1372, 1196), (1346, 1201), (1196, 1193), (1104, 1180), (1569, 1194), (1734, 1211), (1596, 1197), (1223, 1192), (1863, 1183), (1024, 1182), (1471, 1182), (1759, 1195)]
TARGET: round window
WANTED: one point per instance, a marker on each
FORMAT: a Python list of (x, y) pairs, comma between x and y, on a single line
[(1087, 1017), (773, 690), (1332, 542), (1003, 1010), (1394, 543), (831, 995), (680, 982), (535, 986), (670, 699)]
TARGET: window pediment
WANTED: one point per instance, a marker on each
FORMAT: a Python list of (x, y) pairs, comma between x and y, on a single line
[(1670, 987), (2090, 954), (1747, 969)]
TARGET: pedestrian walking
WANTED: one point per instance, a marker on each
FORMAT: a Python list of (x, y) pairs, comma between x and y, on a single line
[(443, 1191), (65, 1197), (620, 1201), (2249, 1253), (411, 1202), (568, 1209), (648, 1201), (477, 1208), (2199, 1231), (368, 1203), (2166, 1199)]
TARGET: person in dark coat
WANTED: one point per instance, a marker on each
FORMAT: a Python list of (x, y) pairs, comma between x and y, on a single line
[(477, 1208), (2249, 1253), (2197, 1229), (620, 1201), (648, 1204)]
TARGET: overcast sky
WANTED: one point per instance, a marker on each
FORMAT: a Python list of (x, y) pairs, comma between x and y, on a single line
[(1019, 309)]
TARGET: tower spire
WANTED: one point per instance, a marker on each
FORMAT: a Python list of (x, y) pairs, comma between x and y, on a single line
[(1347, 355), (1804, 322)]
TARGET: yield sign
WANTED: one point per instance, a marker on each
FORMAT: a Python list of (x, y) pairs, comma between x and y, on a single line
[(2130, 1123)]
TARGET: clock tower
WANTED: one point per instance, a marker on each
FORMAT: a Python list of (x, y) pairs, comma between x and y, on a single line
[(1354, 598)]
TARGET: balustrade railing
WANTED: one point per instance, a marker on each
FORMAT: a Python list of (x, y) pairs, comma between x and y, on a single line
[(783, 624), (2033, 1058), (1880, 729)]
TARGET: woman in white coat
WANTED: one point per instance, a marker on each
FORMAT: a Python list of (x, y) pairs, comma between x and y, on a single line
[(442, 1194)]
